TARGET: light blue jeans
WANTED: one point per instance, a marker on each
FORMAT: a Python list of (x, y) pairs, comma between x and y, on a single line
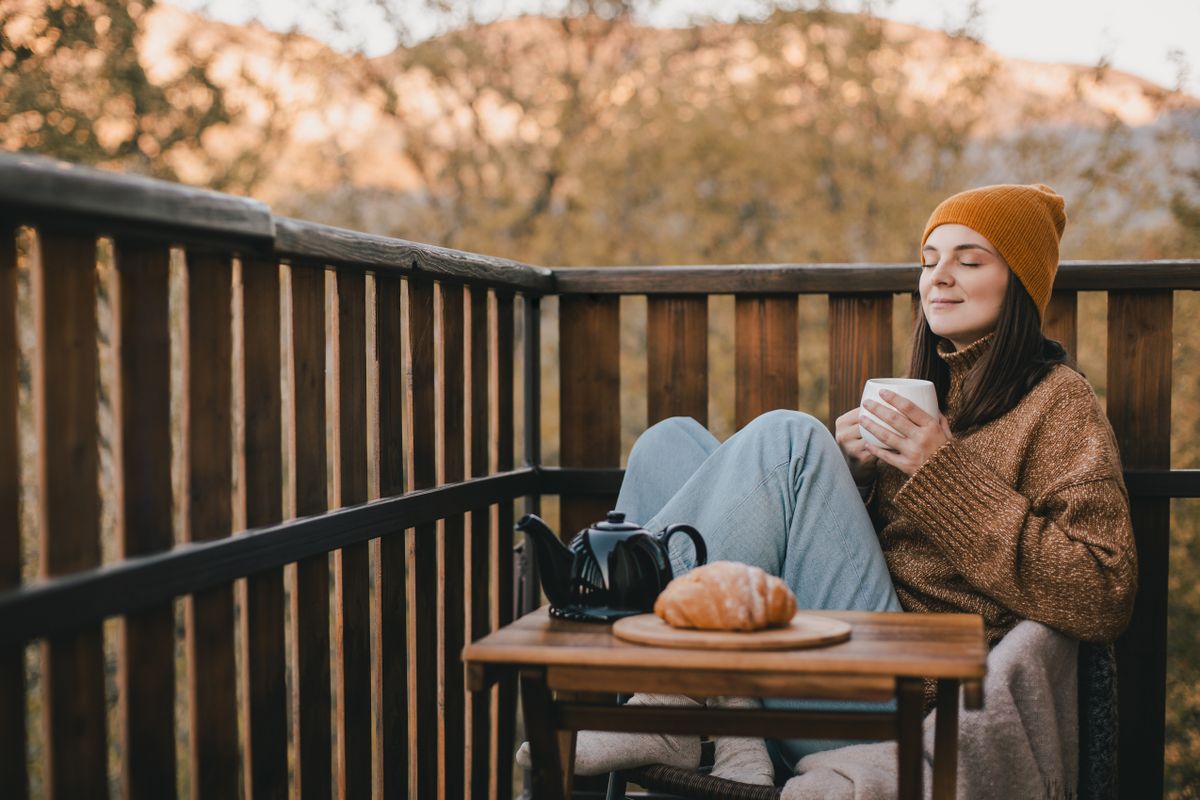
[(777, 494)]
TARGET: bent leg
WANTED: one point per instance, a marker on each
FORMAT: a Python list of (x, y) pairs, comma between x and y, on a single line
[(661, 461), (778, 495)]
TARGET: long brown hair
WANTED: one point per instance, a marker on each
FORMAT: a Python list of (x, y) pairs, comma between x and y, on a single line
[(1019, 357)]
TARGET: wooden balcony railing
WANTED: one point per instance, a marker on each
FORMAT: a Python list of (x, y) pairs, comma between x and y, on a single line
[(309, 409)]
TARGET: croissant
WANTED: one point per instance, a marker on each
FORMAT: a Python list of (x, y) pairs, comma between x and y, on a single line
[(726, 596)]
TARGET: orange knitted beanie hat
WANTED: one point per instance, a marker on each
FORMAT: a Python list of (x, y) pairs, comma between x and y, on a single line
[(1024, 223)]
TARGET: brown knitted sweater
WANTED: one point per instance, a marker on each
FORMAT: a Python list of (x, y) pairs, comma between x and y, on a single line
[(1026, 517)]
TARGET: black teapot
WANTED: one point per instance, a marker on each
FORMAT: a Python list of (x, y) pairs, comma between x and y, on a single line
[(611, 570)]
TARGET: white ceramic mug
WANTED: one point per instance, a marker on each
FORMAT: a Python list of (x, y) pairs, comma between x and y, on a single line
[(921, 393)]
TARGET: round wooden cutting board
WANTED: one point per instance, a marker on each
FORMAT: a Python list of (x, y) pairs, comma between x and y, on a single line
[(805, 630)]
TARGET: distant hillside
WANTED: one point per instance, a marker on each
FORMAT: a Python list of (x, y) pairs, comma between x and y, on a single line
[(338, 120)]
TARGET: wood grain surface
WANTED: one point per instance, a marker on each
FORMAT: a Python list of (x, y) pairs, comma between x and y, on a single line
[(805, 630), (766, 369), (1139, 408), (208, 460), (391, 634), (676, 358), (31, 184), (13, 781), (264, 686), (860, 347), (311, 706), (75, 746), (351, 565), (452, 546), (1060, 320), (589, 388), (141, 405), (422, 549)]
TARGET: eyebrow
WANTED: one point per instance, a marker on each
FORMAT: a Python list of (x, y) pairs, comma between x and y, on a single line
[(960, 247)]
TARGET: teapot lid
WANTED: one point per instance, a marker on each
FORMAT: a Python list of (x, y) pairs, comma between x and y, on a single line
[(615, 521)]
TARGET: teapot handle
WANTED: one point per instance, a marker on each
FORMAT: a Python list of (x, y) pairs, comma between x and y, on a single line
[(693, 534)]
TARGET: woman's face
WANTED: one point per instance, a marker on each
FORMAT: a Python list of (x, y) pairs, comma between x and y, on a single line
[(963, 281)]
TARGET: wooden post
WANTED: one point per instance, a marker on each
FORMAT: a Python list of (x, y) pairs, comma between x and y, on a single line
[(207, 440), (590, 386), (391, 634), (1139, 408), (451, 556), (479, 557), (141, 409), (64, 389), (767, 337), (677, 357), (422, 547), (504, 603), (313, 774), (351, 565), (1060, 320), (13, 780), (860, 347), (263, 685)]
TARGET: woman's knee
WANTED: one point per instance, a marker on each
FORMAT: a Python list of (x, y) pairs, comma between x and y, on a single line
[(796, 429), (665, 433), (785, 420)]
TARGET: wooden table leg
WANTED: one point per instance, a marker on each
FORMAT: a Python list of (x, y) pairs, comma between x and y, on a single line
[(945, 743), (910, 749), (549, 780)]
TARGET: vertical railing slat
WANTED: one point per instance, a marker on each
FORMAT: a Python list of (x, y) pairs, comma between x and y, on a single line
[(142, 414), (1139, 408), (503, 603), (391, 633), (352, 566), (767, 362), (65, 379), (208, 459), (452, 564), (422, 626), (13, 778), (312, 770), (860, 347), (1060, 321), (531, 366), (479, 557), (263, 682), (677, 357), (589, 388)]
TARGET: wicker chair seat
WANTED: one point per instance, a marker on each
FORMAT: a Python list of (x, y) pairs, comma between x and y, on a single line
[(696, 785)]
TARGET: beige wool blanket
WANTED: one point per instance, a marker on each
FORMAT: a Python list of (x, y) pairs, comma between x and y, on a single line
[(1023, 743)]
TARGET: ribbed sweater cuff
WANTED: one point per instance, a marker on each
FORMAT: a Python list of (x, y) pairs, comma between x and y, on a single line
[(961, 504)]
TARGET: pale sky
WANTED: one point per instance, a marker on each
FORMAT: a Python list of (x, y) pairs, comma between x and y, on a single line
[(1137, 37)]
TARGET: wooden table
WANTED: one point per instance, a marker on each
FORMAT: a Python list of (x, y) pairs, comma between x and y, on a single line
[(570, 671)]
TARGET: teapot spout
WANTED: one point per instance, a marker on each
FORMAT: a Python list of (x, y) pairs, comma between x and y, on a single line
[(554, 559)]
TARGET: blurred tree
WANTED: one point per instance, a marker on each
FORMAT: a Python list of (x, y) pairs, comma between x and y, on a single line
[(72, 85)]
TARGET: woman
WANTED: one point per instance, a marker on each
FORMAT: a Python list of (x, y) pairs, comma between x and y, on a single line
[(1009, 503)]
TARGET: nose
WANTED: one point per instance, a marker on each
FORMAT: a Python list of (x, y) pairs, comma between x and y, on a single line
[(939, 274)]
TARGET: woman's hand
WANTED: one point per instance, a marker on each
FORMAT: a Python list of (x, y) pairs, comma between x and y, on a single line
[(919, 435), (863, 465)]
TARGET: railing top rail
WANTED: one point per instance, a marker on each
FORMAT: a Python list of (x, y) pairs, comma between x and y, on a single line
[(327, 244), (850, 278), (33, 187), (43, 191)]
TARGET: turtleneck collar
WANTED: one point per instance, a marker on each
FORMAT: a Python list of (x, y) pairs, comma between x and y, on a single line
[(961, 361)]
